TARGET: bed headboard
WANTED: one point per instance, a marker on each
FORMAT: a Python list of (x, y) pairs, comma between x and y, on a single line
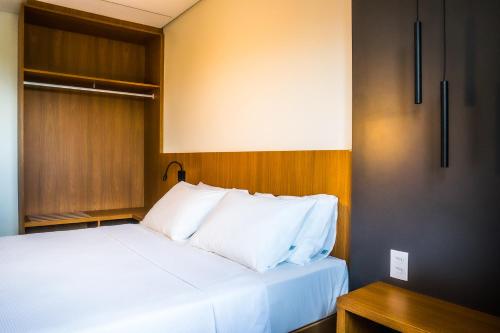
[(280, 173)]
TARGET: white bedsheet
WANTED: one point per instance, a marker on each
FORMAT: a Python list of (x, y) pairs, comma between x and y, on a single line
[(300, 295), (123, 279), (130, 279)]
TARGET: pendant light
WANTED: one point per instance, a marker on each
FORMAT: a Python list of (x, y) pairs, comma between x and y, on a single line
[(444, 102), (418, 56)]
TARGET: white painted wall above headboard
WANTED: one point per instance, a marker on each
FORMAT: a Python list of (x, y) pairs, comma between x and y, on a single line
[(259, 75)]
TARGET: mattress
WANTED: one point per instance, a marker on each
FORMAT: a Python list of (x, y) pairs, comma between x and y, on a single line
[(300, 295), (128, 278)]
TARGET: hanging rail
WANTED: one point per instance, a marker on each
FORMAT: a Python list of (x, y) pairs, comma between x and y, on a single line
[(104, 91)]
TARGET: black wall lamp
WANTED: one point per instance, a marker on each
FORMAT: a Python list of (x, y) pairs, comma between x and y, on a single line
[(181, 174), (418, 57)]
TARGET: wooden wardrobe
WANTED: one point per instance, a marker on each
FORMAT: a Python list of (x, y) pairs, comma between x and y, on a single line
[(86, 150)]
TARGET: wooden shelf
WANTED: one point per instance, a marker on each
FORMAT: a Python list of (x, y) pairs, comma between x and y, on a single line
[(56, 17), (43, 76), (93, 216)]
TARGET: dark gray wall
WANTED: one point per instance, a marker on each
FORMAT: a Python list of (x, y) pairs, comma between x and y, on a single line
[(448, 220)]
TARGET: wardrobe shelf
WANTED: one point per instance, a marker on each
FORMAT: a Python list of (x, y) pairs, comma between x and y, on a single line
[(98, 216), (43, 76)]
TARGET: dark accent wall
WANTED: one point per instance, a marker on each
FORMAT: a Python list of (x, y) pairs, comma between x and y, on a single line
[(447, 219)]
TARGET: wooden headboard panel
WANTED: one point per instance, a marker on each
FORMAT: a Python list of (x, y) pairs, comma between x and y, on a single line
[(280, 173)]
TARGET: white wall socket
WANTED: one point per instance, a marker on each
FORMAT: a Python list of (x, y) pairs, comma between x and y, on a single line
[(399, 265)]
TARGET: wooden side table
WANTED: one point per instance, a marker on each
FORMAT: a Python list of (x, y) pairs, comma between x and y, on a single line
[(382, 307)]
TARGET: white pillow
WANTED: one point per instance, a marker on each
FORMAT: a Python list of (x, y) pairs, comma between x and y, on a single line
[(254, 231), (210, 187), (317, 237), (182, 210)]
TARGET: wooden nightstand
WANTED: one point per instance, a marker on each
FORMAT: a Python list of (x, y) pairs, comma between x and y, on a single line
[(381, 307)]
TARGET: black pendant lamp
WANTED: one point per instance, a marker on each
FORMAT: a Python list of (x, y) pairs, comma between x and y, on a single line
[(444, 102), (418, 57)]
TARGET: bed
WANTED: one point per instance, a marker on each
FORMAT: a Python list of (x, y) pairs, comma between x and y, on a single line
[(128, 278)]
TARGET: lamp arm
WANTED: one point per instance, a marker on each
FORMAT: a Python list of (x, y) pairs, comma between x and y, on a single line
[(164, 178)]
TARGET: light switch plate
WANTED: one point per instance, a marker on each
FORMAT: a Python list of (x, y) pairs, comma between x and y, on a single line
[(399, 265)]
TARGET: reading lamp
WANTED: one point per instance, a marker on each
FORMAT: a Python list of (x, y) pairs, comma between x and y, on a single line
[(181, 174)]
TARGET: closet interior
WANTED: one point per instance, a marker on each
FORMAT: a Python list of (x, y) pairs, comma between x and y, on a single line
[(90, 92)]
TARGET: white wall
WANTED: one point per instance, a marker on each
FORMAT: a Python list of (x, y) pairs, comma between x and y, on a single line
[(259, 75), (8, 124)]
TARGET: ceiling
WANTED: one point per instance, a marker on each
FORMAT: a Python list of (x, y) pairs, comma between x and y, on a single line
[(156, 13)]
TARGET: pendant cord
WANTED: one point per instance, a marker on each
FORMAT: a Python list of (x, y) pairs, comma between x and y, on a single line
[(444, 40), (418, 11)]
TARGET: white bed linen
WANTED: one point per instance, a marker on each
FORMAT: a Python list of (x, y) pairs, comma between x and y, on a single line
[(131, 279), (124, 279), (300, 295)]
